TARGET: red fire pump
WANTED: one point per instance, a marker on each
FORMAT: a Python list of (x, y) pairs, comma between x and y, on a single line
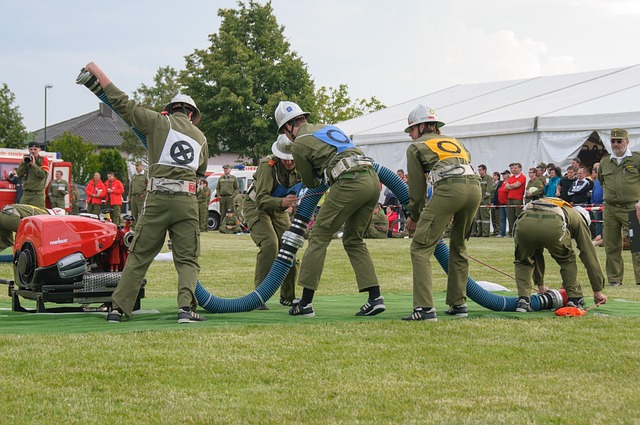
[(69, 259)]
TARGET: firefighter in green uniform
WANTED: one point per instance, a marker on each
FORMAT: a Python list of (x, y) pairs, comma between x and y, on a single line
[(325, 153), (230, 224), (227, 189), (203, 196), (137, 191), (11, 215), (379, 224), (456, 193), (177, 155), (551, 223), (34, 170), (58, 190), (619, 174), (483, 216), (275, 188)]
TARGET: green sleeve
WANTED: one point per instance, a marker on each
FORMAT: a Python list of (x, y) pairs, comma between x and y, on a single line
[(263, 185), (417, 182)]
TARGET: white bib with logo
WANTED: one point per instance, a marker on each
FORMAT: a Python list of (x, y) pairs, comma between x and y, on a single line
[(180, 150)]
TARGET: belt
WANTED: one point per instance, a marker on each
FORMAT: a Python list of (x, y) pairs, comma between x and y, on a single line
[(352, 175), (542, 216), (33, 191), (463, 180), (625, 206), (162, 185), (344, 165)]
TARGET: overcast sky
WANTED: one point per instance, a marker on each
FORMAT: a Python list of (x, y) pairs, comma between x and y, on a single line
[(395, 51)]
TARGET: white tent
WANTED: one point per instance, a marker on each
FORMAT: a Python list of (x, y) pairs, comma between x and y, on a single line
[(543, 119)]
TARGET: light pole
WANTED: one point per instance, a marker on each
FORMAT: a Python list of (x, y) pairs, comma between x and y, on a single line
[(46, 86)]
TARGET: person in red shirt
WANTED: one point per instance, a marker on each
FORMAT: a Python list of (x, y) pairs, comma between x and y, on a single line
[(502, 197), (96, 193), (115, 189), (516, 186)]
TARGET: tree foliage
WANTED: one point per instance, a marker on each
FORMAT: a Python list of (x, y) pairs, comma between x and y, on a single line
[(157, 96), (13, 133), (240, 79), (111, 160), (335, 105), (79, 152)]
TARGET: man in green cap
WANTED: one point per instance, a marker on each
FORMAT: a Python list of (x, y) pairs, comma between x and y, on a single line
[(227, 189), (177, 155), (230, 224), (483, 216), (323, 153), (137, 190), (275, 189), (619, 174)]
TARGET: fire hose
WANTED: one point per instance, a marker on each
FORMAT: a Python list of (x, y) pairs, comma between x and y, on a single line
[(293, 240)]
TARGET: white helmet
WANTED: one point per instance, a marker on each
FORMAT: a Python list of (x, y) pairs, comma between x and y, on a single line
[(422, 114), (286, 111), (186, 100), (584, 213), (56, 211), (282, 147)]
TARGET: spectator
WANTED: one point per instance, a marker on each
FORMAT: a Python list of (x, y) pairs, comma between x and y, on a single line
[(96, 194), (597, 198), (137, 190), (516, 186), (230, 223), (75, 199), (115, 189), (579, 191), (58, 190), (495, 210), (552, 182), (535, 187), (619, 174), (392, 216), (502, 196), (483, 216), (562, 191), (541, 170), (16, 179)]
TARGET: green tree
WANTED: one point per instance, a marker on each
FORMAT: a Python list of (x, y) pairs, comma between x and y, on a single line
[(335, 105), (13, 133), (77, 151), (111, 160), (238, 81), (165, 87)]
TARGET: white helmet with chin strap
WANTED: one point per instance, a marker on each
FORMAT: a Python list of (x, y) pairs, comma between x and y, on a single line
[(422, 114), (286, 111), (184, 100), (282, 148)]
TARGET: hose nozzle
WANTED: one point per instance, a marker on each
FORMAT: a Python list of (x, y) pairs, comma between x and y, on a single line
[(89, 81)]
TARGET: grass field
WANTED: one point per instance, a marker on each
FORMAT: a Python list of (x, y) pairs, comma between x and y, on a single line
[(268, 367)]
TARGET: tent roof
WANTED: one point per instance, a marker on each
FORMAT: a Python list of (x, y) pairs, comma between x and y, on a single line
[(583, 101)]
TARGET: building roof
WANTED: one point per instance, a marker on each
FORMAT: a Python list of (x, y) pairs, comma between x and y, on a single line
[(101, 128)]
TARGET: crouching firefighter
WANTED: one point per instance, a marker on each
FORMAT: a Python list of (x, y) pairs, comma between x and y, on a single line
[(551, 223)]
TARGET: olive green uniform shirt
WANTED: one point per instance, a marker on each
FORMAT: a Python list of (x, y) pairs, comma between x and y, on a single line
[(58, 189)]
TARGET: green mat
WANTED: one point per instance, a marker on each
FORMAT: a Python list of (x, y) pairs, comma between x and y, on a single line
[(161, 314)]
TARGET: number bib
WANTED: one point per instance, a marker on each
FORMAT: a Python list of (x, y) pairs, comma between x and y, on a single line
[(447, 147), (180, 150), (335, 137)]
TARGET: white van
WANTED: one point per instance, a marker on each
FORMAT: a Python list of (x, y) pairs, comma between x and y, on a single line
[(245, 178)]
